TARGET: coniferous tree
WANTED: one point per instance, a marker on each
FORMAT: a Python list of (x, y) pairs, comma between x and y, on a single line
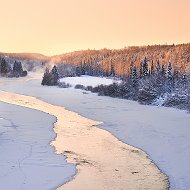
[(134, 77), (78, 71), (175, 77), (163, 71), (4, 66), (46, 78), (145, 67), (152, 71), (20, 67), (50, 78), (175, 74), (170, 77), (15, 65), (17, 69), (55, 75), (112, 72), (169, 72)]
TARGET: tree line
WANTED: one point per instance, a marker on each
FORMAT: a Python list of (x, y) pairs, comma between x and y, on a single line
[(147, 83), (11, 70), (50, 78), (105, 61)]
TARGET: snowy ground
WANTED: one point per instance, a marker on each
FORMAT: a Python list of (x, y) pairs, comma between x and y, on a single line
[(162, 132), (98, 155), (88, 81), (27, 161)]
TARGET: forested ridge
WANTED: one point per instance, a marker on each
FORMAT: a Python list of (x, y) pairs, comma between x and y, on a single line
[(106, 61), (157, 74), (118, 60), (11, 70)]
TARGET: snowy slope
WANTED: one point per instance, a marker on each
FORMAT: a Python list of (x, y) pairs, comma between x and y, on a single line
[(86, 80), (162, 132)]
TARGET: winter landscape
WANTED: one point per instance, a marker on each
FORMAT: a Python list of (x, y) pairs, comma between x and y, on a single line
[(95, 109)]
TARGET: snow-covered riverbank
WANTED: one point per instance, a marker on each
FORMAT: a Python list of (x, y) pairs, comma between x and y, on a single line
[(27, 162), (99, 157), (162, 132)]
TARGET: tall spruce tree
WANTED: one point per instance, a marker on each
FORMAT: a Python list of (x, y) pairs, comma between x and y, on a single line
[(112, 72), (55, 75), (152, 71), (134, 77), (17, 69), (170, 77), (46, 80), (169, 71), (4, 66), (145, 67), (163, 71)]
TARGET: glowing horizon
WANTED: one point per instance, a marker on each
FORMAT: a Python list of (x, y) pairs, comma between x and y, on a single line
[(55, 27)]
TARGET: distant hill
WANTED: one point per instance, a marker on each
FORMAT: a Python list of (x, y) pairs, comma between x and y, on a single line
[(120, 59), (30, 61), (34, 56), (178, 55)]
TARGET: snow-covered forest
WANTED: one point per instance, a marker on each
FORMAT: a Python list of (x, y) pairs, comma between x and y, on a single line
[(11, 70), (158, 75), (105, 61), (158, 85)]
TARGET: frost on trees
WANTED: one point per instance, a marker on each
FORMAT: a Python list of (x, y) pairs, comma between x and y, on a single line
[(50, 78)]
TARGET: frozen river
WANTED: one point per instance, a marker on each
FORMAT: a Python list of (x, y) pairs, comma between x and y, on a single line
[(162, 132), (27, 161)]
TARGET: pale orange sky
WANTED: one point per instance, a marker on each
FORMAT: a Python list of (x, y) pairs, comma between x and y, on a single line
[(58, 26)]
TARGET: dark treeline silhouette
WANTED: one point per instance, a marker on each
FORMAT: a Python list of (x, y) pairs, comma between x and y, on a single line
[(50, 78), (11, 70)]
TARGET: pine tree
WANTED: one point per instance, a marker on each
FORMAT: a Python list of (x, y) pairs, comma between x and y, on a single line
[(175, 74), (15, 66), (152, 71), (175, 77), (169, 71), (54, 71), (170, 77), (4, 66), (112, 72), (46, 78), (163, 71), (145, 67), (78, 71), (134, 77), (55, 76), (17, 69)]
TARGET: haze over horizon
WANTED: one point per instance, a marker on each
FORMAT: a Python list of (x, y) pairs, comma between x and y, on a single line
[(62, 26)]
